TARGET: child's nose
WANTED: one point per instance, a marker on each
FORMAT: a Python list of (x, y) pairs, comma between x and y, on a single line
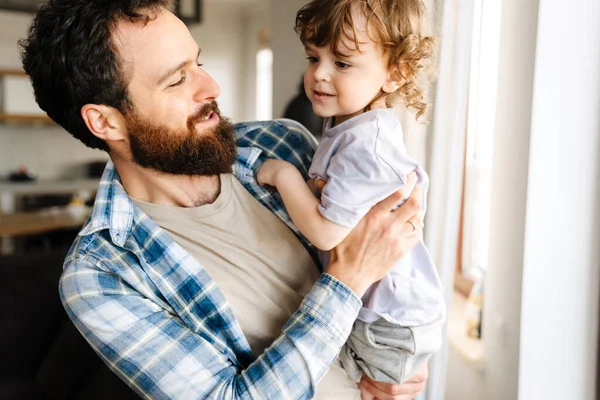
[(321, 73)]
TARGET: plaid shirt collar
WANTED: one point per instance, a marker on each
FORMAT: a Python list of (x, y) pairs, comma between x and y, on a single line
[(283, 139)]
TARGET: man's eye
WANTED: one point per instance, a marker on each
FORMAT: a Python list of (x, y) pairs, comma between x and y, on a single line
[(200, 65), (178, 82), (312, 59), (341, 65)]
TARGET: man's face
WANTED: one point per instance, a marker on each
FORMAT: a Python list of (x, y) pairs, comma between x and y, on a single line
[(175, 125)]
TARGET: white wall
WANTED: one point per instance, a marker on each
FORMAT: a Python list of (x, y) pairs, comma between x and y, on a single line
[(13, 25), (559, 321), (464, 382), (289, 60), (256, 16), (222, 38), (42, 149)]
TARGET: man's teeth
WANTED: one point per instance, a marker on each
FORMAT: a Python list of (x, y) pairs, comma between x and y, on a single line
[(207, 117)]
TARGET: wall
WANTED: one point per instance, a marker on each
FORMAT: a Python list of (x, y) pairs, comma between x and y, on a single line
[(256, 16), (559, 321), (13, 25), (222, 39), (464, 382), (289, 60), (42, 149)]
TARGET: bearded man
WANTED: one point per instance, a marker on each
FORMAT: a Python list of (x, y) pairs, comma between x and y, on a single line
[(189, 279)]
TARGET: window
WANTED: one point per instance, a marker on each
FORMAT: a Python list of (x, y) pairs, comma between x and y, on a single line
[(264, 84), (472, 254)]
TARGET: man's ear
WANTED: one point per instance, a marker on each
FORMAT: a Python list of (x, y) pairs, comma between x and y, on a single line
[(394, 80), (105, 122)]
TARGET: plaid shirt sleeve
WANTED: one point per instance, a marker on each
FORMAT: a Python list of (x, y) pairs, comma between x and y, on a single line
[(162, 325)]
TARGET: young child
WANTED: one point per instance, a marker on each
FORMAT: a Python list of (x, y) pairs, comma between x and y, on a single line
[(364, 56)]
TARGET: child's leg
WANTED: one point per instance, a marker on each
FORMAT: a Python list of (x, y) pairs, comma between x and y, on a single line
[(387, 352)]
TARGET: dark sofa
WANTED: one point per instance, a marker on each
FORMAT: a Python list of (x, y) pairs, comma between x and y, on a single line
[(42, 355)]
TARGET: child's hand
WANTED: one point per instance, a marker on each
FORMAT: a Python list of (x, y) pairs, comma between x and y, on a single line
[(271, 170), (316, 186)]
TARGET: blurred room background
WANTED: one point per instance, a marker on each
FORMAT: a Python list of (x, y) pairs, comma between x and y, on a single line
[(512, 146)]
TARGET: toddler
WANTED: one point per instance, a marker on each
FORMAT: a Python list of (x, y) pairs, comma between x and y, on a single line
[(365, 56)]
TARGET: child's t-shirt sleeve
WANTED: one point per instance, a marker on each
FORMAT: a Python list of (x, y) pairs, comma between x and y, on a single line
[(362, 172)]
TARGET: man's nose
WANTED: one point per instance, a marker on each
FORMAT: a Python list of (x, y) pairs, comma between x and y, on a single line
[(206, 88)]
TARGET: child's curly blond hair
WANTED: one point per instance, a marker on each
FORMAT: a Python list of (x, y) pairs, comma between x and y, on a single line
[(398, 27)]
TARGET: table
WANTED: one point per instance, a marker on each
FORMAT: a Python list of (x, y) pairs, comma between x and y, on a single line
[(14, 224), (32, 223)]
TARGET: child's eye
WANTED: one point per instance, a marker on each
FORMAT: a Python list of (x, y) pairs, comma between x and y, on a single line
[(312, 59), (341, 65)]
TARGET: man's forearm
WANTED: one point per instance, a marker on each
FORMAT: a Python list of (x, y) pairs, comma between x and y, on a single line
[(160, 356)]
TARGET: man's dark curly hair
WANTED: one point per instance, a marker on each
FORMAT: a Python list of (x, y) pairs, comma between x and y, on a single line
[(71, 58)]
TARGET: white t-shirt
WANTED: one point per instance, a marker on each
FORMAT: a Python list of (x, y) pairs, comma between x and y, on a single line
[(364, 160)]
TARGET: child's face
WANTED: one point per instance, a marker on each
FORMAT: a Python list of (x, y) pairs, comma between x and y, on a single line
[(342, 87)]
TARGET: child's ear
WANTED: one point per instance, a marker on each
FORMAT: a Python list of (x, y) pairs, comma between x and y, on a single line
[(394, 80)]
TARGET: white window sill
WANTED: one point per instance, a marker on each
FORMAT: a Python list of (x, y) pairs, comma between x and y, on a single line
[(470, 349)]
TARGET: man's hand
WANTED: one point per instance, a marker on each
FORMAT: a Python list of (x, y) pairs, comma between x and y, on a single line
[(371, 390), (271, 170), (379, 240)]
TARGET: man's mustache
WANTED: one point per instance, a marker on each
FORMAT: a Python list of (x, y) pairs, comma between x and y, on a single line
[(202, 113)]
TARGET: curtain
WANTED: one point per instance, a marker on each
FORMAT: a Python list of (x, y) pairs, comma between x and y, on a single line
[(445, 154)]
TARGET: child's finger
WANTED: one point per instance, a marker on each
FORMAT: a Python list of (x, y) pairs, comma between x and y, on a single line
[(320, 184)]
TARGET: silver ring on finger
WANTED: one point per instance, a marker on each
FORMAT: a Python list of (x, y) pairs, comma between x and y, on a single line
[(414, 227)]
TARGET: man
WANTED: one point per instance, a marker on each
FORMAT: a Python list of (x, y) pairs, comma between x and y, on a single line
[(185, 284)]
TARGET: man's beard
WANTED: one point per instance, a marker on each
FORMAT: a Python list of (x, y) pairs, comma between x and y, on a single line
[(183, 151)]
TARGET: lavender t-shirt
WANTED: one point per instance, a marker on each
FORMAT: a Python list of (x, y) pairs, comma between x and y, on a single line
[(364, 160)]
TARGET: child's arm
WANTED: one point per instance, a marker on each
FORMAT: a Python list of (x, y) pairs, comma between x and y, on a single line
[(301, 204)]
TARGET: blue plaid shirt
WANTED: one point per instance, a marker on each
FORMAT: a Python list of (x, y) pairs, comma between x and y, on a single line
[(160, 322)]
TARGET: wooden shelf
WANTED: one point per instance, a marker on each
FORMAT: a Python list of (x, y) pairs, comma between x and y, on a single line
[(12, 72), (26, 118)]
